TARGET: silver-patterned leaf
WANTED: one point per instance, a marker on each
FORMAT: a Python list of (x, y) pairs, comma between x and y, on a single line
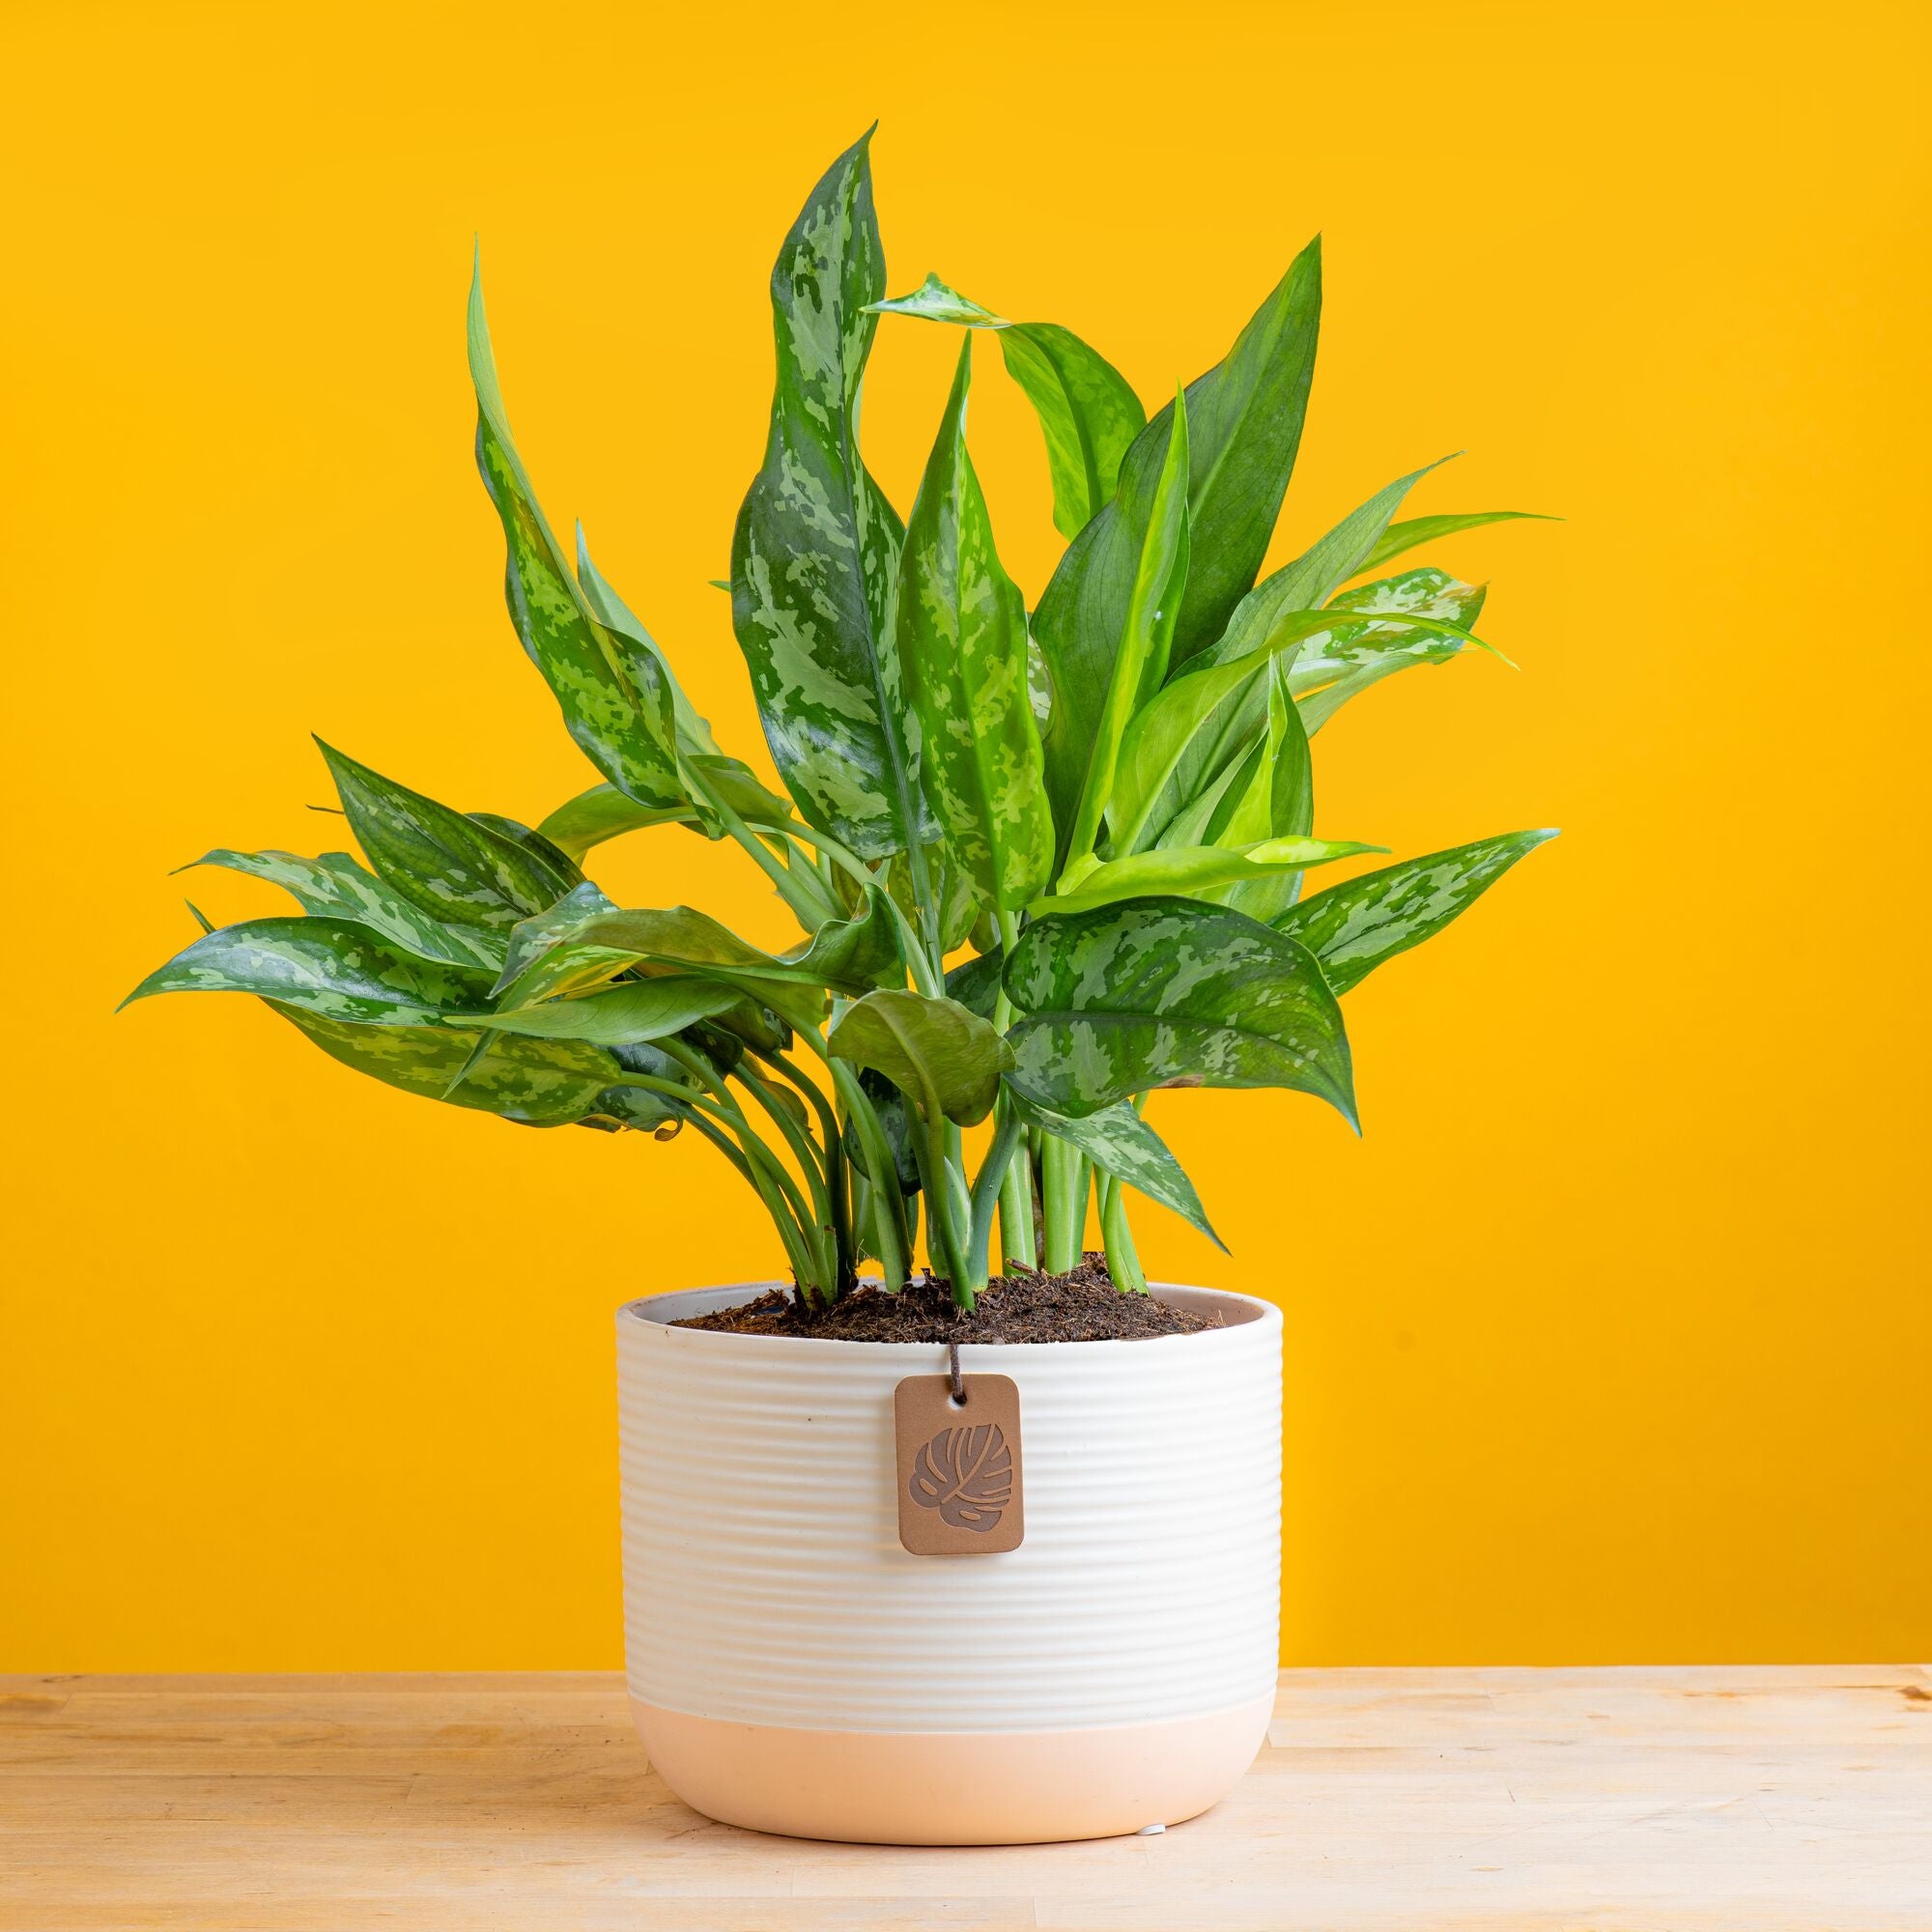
[(538, 1083), (1352, 928), (1120, 1143), (962, 639), (446, 862), (329, 966), (334, 883), (1170, 992), (816, 542), (613, 689)]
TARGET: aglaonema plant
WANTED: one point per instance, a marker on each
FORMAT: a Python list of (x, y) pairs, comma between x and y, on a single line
[(1044, 864)]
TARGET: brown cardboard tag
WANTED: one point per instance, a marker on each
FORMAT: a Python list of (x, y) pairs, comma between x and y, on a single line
[(960, 1477)]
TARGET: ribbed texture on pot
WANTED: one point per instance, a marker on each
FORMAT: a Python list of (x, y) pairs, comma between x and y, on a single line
[(763, 1576)]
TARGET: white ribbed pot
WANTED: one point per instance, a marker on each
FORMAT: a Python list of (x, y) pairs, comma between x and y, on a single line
[(793, 1669)]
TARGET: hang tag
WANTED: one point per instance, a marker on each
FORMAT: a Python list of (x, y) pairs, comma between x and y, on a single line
[(959, 1476)]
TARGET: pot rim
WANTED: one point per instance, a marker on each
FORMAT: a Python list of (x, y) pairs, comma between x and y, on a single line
[(1257, 1316)]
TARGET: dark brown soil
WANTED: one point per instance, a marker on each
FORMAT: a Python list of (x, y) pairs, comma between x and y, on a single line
[(1083, 1306)]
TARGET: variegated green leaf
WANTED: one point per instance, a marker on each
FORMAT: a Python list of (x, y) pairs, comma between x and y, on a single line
[(1244, 419), (1352, 928), (1191, 871), (444, 861), (551, 861), (934, 1051), (1401, 538), (539, 1083), (1088, 412), (1120, 1143), (812, 559), (643, 1010), (532, 938), (1312, 578), (694, 733), (327, 966), (334, 883), (1332, 666), (1169, 992), (962, 639), (1147, 640), (613, 687)]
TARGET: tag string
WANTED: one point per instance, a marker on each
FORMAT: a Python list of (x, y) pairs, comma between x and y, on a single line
[(958, 1385)]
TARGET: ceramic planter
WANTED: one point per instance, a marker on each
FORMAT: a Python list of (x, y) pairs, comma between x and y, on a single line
[(793, 1669)]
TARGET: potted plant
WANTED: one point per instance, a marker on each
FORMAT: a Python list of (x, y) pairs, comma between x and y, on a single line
[(1043, 864)]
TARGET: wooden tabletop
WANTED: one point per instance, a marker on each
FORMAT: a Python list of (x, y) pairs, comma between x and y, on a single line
[(1734, 1798)]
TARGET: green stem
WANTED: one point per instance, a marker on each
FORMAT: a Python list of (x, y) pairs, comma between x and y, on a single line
[(805, 1152), (1124, 1262), (929, 1150), (836, 1176), (797, 1250), (894, 1241), (986, 1190), (810, 1215), (1020, 1246), (1062, 1188)]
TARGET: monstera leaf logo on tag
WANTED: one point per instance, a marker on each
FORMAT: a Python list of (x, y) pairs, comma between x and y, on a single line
[(962, 1462), (967, 1475)]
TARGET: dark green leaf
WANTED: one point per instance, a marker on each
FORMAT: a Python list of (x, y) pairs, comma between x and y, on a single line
[(976, 982), (933, 1050), (1169, 992), (1244, 419), (896, 1122), (640, 1010), (604, 811), (327, 966), (853, 955), (962, 639), (1140, 665), (614, 690), (1352, 928), (443, 860), (812, 562), (1088, 412)]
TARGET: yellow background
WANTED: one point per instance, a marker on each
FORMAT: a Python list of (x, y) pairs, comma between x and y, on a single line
[(1608, 1342)]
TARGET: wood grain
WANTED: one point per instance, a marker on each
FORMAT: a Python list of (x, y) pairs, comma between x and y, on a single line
[(1711, 1797)]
